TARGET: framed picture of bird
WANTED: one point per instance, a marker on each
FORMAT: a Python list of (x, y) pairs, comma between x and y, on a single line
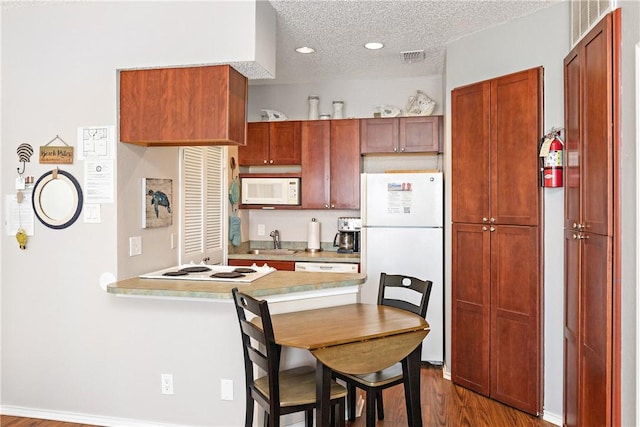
[(157, 205)]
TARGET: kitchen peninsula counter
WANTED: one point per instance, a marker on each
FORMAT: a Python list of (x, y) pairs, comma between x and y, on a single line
[(273, 284)]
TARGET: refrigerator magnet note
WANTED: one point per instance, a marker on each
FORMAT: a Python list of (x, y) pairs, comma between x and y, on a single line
[(399, 198)]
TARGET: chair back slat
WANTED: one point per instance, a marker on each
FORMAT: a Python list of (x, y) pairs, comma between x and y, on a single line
[(405, 292)]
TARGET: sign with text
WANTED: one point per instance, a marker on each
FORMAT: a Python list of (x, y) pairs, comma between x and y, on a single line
[(57, 155)]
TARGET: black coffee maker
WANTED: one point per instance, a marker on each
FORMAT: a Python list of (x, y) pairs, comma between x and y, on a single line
[(347, 239)]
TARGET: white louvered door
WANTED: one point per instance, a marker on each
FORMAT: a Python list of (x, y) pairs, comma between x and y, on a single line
[(202, 228)]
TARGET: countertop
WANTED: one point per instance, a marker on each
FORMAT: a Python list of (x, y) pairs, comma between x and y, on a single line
[(276, 283), (325, 255)]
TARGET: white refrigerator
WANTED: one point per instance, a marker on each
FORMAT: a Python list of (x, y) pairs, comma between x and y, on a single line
[(402, 233)]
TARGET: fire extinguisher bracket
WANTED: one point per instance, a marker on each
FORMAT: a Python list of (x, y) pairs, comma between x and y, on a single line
[(551, 152)]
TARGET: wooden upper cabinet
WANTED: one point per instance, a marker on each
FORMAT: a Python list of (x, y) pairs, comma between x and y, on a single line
[(331, 164), (496, 126), (419, 134), (316, 169), (271, 143), (516, 128), (589, 132), (183, 106), (345, 164), (284, 143), (379, 135), (471, 175), (256, 150)]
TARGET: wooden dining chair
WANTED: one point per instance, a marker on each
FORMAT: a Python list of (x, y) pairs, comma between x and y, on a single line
[(279, 392), (404, 292)]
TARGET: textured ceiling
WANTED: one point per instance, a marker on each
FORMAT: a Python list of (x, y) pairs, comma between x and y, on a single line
[(338, 29)]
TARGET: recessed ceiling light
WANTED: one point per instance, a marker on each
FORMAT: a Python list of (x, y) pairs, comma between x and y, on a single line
[(305, 49), (374, 45)]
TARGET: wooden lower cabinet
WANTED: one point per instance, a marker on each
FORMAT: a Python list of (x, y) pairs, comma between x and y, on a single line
[(496, 316), (278, 265), (470, 293), (588, 329)]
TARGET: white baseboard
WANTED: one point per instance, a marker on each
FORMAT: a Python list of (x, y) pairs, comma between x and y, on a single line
[(71, 417), (552, 418)]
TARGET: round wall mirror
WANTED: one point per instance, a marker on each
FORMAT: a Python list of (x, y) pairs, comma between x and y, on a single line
[(57, 199)]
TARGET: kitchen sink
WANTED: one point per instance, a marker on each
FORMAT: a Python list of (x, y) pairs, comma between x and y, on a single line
[(272, 251)]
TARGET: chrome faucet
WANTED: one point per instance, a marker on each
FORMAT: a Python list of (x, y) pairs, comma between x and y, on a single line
[(276, 239)]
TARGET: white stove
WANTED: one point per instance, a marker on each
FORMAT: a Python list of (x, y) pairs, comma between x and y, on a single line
[(218, 273)]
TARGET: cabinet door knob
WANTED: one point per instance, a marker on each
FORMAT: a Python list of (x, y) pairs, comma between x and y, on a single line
[(271, 161), (485, 219), (484, 228), (492, 229), (265, 162), (402, 149), (395, 149), (492, 220)]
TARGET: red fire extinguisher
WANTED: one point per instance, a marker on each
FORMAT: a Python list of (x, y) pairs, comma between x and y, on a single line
[(551, 153)]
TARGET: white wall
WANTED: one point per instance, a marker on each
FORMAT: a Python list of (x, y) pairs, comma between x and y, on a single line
[(360, 96), (541, 39), (68, 347), (630, 122)]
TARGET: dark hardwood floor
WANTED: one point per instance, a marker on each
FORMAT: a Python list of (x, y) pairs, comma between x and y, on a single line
[(446, 404), (443, 404)]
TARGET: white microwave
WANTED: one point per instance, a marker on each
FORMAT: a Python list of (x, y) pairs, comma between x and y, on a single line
[(270, 191)]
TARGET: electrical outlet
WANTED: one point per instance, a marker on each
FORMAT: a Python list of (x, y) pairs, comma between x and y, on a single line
[(261, 230), (226, 389), (135, 246), (166, 381)]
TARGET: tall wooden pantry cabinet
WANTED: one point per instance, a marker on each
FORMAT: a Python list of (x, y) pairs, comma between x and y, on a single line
[(591, 96), (496, 232)]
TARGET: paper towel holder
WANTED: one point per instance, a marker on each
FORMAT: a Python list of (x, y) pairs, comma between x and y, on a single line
[(313, 226)]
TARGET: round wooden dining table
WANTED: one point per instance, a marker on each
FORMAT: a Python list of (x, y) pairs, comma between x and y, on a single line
[(357, 339)]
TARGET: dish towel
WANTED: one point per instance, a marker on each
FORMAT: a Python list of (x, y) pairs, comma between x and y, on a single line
[(234, 192), (234, 230)]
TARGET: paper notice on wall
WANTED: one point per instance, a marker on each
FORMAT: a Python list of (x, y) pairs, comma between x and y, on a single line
[(96, 142), (98, 181), (19, 215), (399, 198)]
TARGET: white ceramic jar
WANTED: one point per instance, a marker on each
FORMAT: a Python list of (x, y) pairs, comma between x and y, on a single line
[(314, 114), (338, 107)]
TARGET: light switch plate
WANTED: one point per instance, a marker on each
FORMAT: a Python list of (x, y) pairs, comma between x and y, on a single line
[(226, 389), (135, 246)]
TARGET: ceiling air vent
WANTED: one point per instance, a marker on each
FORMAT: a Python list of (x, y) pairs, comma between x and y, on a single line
[(411, 56)]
